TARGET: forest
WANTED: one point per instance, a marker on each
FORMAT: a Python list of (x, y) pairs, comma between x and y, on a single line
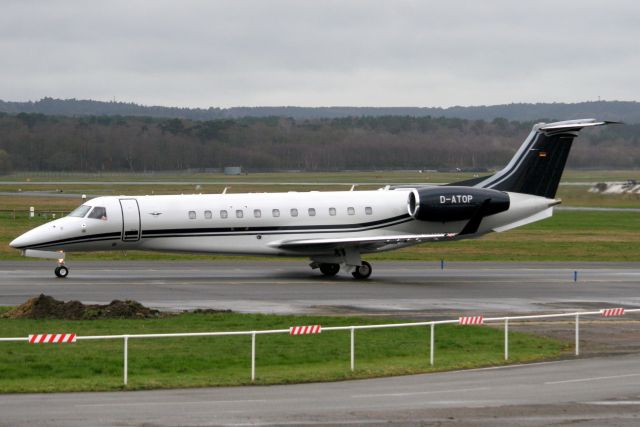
[(38, 142)]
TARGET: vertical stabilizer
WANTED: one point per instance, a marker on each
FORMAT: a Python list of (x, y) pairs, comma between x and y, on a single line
[(537, 166)]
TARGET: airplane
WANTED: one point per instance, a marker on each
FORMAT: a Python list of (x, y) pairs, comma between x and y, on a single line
[(333, 229)]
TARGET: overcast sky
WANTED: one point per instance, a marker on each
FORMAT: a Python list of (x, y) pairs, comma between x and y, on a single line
[(320, 53)]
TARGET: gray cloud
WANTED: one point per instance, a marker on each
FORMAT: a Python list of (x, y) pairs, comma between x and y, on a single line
[(379, 53)]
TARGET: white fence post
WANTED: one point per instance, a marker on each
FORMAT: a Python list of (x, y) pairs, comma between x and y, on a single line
[(506, 339), (126, 359), (432, 343), (253, 356), (577, 335), (353, 349)]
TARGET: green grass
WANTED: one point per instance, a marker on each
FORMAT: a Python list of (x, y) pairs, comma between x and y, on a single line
[(570, 175), (212, 361)]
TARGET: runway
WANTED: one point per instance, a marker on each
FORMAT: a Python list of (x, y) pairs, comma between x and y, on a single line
[(586, 392), (580, 392), (414, 289)]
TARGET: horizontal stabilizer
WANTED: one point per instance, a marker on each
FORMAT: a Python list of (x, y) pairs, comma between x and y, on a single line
[(547, 213)]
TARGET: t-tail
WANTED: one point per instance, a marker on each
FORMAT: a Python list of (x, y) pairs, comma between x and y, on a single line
[(538, 165)]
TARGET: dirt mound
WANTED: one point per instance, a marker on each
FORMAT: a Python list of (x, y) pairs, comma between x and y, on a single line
[(46, 307)]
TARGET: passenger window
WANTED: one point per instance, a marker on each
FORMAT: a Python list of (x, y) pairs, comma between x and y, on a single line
[(239, 213), (207, 214), (368, 210), (98, 213), (223, 214), (294, 212), (312, 212), (192, 214), (275, 213), (351, 211), (332, 211), (257, 213)]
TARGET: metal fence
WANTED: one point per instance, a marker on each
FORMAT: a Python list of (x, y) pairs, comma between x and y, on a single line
[(431, 324)]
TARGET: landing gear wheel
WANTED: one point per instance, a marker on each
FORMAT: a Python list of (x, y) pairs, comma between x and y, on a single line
[(329, 269), (61, 271), (362, 272)]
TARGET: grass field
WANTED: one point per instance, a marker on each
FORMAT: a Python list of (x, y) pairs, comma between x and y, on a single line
[(209, 361), (350, 177)]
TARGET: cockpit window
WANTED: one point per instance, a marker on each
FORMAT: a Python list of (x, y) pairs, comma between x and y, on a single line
[(80, 211), (98, 212)]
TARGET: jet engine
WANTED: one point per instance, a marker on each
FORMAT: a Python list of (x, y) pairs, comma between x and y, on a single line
[(449, 203)]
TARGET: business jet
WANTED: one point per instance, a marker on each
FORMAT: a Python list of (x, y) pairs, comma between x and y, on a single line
[(333, 229)]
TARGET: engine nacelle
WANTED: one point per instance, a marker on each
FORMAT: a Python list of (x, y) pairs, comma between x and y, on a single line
[(445, 204)]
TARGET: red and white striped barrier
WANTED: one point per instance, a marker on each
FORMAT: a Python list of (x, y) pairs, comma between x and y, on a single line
[(303, 330), (51, 338), (471, 320), (609, 312)]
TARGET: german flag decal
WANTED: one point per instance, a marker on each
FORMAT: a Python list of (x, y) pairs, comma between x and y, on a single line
[(542, 154)]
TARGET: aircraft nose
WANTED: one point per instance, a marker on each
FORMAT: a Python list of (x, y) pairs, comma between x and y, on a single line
[(20, 242), (32, 237)]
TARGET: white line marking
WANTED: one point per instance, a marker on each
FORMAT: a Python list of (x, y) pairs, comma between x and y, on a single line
[(497, 368), (203, 402), (417, 393), (579, 380), (615, 402)]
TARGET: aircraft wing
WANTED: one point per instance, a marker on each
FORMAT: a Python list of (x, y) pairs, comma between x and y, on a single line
[(375, 242)]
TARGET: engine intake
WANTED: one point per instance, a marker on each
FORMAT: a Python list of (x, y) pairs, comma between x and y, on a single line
[(445, 204)]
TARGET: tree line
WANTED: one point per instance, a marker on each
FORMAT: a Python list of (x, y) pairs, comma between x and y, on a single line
[(626, 111), (37, 142)]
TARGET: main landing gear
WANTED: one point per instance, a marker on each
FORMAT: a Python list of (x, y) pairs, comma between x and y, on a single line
[(61, 271), (329, 270), (363, 271), (359, 272)]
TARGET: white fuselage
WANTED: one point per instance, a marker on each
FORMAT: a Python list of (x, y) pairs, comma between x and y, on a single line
[(254, 223)]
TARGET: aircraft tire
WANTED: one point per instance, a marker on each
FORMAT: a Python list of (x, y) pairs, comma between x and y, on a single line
[(362, 272), (329, 270), (61, 271)]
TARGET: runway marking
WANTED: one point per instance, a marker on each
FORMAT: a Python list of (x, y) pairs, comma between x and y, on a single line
[(580, 380), (515, 365), (367, 422), (203, 402), (614, 402), (417, 393)]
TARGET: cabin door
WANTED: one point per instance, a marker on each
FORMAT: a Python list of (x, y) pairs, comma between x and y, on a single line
[(130, 220)]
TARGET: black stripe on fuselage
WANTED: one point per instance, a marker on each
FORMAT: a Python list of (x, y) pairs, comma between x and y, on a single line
[(81, 239), (273, 229), (233, 231), (250, 231)]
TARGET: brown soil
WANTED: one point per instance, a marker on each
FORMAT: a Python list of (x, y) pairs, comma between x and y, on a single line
[(46, 307)]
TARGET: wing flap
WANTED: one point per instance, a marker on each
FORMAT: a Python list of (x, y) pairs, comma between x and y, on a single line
[(375, 241)]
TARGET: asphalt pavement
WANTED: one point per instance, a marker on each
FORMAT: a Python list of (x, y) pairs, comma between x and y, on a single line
[(578, 392), (412, 288), (583, 392)]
